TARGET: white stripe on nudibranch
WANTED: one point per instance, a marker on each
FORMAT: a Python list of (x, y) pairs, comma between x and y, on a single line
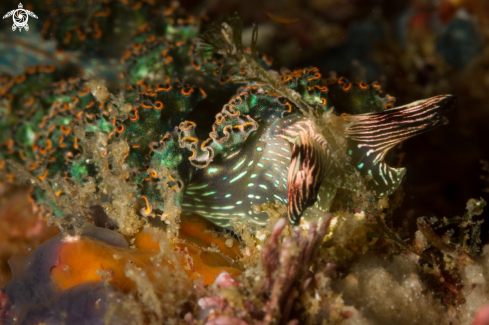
[(197, 187), (229, 207), (212, 170), (238, 177), (239, 164)]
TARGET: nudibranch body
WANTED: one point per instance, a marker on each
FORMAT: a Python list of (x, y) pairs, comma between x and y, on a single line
[(283, 155), (259, 172)]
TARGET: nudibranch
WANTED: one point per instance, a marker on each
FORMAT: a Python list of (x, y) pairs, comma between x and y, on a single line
[(262, 149)]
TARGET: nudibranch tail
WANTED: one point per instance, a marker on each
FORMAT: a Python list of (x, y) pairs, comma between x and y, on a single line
[(372, 135)]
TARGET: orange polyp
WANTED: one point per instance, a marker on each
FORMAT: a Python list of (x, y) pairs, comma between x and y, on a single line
[(65, 129), (67, 38), (124, 158), (137, 6), (289, 107), (135, 117), (81, 35), (146, 106), (21, 78), (31, 70), (158, 105), (29, 102), (316, 76), (103, 13), (98, 34), (187, 92), (148, 206), (126, 56), (84, 91), (203, 92), (43, 176), (363, 85)]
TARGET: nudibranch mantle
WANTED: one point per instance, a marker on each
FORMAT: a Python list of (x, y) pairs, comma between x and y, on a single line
[(256, 174)]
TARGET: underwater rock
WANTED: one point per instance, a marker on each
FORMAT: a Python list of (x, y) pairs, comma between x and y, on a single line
[(93, 265), (21, 230), (84, 304)]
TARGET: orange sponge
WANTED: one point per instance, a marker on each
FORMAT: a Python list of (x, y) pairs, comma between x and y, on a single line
[(201, 253)]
